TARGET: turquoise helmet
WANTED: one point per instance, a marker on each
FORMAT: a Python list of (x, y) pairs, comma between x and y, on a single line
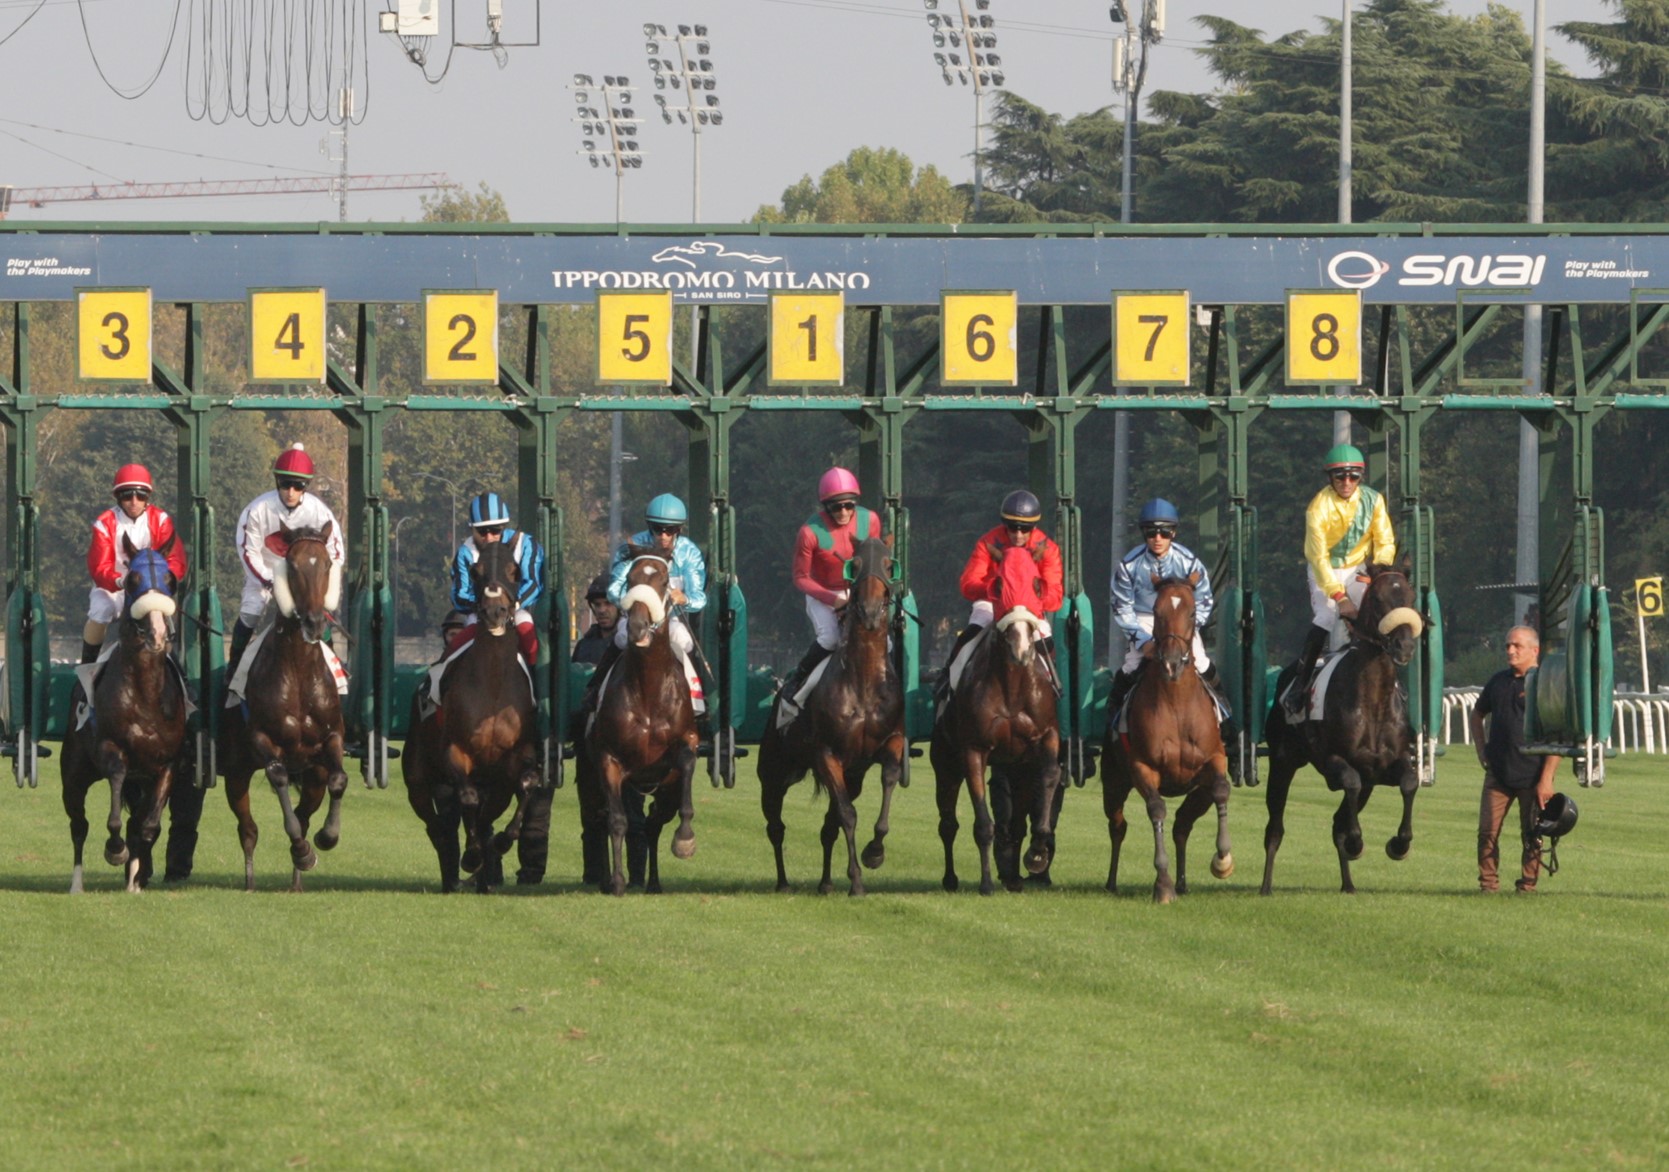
[(666, 509)]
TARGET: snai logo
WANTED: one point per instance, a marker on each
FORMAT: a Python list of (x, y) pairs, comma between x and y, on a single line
[(1362, 270)]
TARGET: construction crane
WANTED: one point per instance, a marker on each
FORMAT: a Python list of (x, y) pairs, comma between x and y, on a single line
[(333, 185)]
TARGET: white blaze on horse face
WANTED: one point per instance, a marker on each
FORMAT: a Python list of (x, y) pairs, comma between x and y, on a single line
[(1175, 602), (159, 628)]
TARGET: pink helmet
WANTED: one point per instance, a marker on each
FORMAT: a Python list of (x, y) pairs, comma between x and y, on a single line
[(837, 482), (294, 461), (132, 476)]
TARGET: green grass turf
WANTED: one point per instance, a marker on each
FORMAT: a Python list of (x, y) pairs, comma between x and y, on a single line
[(371, 1022)]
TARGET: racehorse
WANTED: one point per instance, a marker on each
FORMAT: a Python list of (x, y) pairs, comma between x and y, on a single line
[(290, 721), (1363, 738), (1002, 711), (853, 718), (1172, 747), (644, 731), (478, 749), (137, 727)]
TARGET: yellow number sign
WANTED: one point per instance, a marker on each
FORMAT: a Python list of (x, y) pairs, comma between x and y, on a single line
[(976, 338), (1150, 339), (808, 339), (1648, 594), (113, 335), (460, 336), (634, 339), (1324, 337), (287, 335)]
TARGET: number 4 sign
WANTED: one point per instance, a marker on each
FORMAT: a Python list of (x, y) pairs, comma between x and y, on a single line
[(287, 335)]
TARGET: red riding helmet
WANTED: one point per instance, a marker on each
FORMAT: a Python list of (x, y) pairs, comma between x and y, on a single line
[(294, 461), (132, 476)]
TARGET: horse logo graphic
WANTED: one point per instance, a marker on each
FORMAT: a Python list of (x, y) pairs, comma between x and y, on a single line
[(688, 254)]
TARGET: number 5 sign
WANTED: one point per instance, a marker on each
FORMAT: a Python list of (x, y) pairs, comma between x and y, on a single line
[(1324, 337), (976, 339), (634, 339)]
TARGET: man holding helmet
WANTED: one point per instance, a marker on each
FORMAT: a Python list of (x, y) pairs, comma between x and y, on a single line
[(1510, 774)]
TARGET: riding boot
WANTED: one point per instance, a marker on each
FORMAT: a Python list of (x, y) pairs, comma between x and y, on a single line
[(941, 690), (90, 651), (1123, 682), (1297, 700), (1046, 652), (797, 678), (240, 641), (611, 654), (1214, 684)]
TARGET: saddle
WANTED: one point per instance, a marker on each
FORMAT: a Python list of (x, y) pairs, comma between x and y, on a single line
[(788, 711), (1315, 688), (240, 679), (429, 704), (87, 675)]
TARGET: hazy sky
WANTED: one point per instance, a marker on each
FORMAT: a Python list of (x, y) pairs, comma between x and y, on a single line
[(801, 82)]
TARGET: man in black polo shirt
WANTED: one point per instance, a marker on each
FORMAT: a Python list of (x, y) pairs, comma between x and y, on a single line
[(1510, 774)]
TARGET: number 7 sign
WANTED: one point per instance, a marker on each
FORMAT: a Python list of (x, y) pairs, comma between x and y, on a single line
[(1150, 339)]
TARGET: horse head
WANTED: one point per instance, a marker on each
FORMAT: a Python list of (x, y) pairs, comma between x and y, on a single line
[(875, 580), (1018, 604), (1387, 615), (148, 593), (645, 605), (1173, 624), (497, 581), (306, 584)]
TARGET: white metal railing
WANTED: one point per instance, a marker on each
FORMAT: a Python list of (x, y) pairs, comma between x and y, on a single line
[(1639, 720)]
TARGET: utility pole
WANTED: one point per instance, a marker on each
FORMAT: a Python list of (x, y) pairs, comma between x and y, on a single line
[(1341, 419), (1529, 440)]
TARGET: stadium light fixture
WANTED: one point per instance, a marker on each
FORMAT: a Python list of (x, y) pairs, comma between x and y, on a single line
[(967, 27), (609, 128), (683, 63)]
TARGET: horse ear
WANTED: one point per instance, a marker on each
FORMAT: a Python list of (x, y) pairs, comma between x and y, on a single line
[(1156, 579), (324, 530), (284, 532), (1194, 578), (1405, 564), (127, 547), (997, 554), (887, 540)]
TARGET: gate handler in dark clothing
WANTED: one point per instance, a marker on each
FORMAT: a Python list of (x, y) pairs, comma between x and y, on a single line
[(1510, 774), (604, 616)]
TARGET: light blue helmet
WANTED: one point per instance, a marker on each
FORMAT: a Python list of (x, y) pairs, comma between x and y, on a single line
[(488, 509), (1159, 511), (666, 509)]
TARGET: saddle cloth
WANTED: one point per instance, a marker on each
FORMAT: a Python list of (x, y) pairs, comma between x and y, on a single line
[(1121, 718), (240, 679), (431, 697), (698, 700), (1318, 686), (87, 675), (789, 710)]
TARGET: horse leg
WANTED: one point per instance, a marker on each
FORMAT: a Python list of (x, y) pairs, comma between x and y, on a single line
[(973, 765), (237, 797), (302, 855), (1115, 789), (683, 839), (460, 777), (1347, 827), (831, 775), (115, 768), (614, 777), (1275, 801), (1147, 784), (892, 772), (828, 836), (1045, 791), (75, 806), (1194, 803), (1008, 827), (144, 831), (947, 786), (1408, 781), (771, 793), (443, 825), (1222, 863), (336, 785)]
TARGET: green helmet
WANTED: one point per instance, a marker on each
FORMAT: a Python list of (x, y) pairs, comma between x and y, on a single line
[(1345, 456)]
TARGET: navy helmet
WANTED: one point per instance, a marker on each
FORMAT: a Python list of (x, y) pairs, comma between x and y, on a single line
[(1159, 511), (1022, 506)]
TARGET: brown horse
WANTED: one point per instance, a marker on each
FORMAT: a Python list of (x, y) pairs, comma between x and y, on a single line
[(290, 722), (137, 727), (853, 719), (1363, 739), (1172, 749), (478, 750), (1002, 711), (644, 732)]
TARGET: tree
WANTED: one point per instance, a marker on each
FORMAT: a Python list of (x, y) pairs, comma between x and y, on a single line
[(453, 205), (874, 185)]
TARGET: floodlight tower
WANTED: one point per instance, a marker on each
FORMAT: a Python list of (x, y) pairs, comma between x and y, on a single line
[(963, 44), (691, 74), (609, 132)]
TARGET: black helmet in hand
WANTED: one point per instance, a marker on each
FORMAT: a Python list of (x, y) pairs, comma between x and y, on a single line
[(1557, 818)]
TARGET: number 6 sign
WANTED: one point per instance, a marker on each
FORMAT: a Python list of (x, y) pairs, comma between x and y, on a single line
[(976, 339)]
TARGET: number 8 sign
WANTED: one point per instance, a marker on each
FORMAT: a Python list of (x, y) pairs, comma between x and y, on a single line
[(1324, 337), (976, 339)]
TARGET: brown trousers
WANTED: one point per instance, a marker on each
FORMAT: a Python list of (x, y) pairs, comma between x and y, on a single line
[(1492, 814)]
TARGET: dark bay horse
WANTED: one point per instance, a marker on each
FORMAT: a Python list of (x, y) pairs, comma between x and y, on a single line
[(290, 722), (644, 731), (1002, 711), (853, 719), (1172, 749), (137, 728), (478, 750), (1363, 739)]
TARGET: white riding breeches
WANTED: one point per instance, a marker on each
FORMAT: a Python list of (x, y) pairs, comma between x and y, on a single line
[(681, 640), (825, 624), (984, 614), (1324, 611), (104, 606)]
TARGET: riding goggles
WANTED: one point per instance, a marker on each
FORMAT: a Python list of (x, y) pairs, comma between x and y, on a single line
[(291, 484), (840, 506), (134, 494), (1019, 526), (1159, 531), (1345, 473), (664, 530)]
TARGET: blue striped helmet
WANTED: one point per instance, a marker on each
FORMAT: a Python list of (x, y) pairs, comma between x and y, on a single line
[(488, 509)]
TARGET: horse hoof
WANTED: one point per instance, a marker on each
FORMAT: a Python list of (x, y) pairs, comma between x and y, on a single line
[(683, 848), (471, 861), (303, 856), (1014, 885), (951, 883), (857, 891), (116, 858), (986, 887), (785, 886), (1222, 866), (653, 889), (874, 855), (502, 843), (825, 888), (1353, 847), (1037, 862), (326, 840), (1164, 895), (1112, 887), (1397, 848), (616, 887)]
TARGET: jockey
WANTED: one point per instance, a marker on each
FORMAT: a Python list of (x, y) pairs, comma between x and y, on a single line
[(145, 526), (292, 505), (826, 542), (1345, 527), (664, 519), (1021, 511), (1157, 558), (489, 520)]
